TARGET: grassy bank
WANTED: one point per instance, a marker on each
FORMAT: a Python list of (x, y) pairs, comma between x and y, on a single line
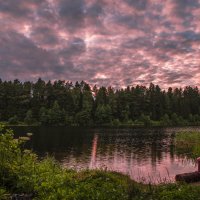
[(22, 172), (188, 144)]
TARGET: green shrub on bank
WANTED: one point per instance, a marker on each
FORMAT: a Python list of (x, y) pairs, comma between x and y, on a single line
[(176, 192), (13, 120), (188, 143), (3, 194)]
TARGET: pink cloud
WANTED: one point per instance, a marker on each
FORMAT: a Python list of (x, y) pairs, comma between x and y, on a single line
[(129, 42)]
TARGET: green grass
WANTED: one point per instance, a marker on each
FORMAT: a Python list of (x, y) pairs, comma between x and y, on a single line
[(188, 143), (21, 171)]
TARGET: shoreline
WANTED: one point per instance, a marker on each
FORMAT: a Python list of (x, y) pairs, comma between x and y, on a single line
[(102, 126)]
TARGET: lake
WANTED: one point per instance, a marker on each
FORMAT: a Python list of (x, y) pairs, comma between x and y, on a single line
[(143, 154)]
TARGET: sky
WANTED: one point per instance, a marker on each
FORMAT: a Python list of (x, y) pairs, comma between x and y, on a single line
[(103, 42)]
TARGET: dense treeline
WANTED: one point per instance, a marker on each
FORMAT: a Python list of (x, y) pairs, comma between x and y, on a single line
[(65, 103)]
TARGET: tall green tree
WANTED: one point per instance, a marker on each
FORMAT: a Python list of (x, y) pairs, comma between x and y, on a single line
[(29, 117)]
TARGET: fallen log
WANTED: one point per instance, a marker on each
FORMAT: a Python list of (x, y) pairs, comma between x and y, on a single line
[(188, 177)]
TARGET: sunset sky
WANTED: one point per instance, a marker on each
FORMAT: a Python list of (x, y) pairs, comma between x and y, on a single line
[(104, 42)]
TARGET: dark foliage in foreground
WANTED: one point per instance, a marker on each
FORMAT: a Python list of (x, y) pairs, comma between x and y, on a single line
[(62, 103)]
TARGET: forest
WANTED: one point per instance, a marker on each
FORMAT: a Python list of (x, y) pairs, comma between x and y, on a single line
[(78, 104)]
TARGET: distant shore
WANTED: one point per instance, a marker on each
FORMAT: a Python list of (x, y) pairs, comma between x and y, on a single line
[(156, 124)]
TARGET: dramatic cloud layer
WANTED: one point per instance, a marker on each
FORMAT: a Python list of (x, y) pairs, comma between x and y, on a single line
[(104, 42)]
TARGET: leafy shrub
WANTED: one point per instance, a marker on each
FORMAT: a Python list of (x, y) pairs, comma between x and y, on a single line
[(146, 120), (165, 121), (3, 194), (29, 117), (115, 122), (13, 120)]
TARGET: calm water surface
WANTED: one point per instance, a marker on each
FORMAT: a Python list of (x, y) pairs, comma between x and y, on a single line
[(143, 154)]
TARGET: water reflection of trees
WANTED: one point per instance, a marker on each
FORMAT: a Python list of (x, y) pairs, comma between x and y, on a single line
[(123, 149), (141, 146), (125, 145)]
